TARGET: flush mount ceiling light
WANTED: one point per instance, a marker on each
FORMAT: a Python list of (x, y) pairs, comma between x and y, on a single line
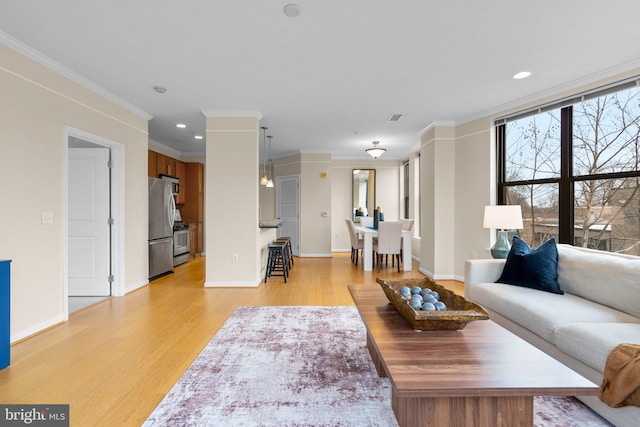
[(522, 75), (375, 151), (292, 10), (181, 125)]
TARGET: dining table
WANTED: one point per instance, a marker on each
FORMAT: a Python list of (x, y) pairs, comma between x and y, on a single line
[(369, 233)]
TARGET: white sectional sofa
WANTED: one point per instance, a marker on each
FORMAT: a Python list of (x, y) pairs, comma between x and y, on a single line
[(600, 309)]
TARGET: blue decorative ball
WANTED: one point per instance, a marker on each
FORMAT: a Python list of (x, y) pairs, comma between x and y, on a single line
[(427, 306), (431, 299), (415, 303), (417, 297), (440, 306), (416, 290), (405, 291)]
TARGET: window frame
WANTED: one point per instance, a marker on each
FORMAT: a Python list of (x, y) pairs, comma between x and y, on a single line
[(567, 180)]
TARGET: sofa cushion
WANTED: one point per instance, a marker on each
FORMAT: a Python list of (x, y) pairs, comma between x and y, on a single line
[(591, 342), (535, 269), (542, 312), (604, 277)]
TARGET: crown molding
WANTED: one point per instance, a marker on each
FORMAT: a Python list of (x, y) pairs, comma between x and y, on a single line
[(232, 113), (573, 85), (437, 123), (58, 68)]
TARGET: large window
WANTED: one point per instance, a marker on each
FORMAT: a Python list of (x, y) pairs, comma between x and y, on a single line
[(574, 167)]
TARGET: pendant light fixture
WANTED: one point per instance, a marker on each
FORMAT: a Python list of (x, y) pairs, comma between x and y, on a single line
[(375, 151), (264, 179), (270, 181)]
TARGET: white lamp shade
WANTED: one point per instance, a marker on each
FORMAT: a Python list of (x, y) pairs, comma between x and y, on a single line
[(503, 217)]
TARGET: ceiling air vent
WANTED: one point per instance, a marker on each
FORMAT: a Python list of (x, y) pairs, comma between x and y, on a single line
[(394, 117)]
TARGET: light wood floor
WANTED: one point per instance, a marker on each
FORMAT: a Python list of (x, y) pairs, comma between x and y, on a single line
[(114, 361)]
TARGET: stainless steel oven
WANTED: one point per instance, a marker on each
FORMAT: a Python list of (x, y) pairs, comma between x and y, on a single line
[(181, 244)]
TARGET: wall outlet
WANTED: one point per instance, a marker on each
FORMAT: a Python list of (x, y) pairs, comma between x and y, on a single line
[(235, 257)]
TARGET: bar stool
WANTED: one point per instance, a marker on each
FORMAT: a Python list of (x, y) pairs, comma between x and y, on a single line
[(277, 261), (287, 240)]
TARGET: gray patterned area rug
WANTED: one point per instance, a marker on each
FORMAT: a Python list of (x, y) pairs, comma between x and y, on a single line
[(301, 366)]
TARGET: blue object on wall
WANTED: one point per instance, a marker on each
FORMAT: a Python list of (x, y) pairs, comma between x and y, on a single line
[(5, 313)]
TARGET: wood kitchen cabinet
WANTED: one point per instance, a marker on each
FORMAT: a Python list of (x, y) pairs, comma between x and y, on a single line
[(193, 209), (159, 164), (166, 165), (153, 164), (193, 231), (181, 174)]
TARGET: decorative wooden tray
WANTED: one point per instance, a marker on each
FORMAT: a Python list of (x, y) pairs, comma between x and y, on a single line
[(459, 310)]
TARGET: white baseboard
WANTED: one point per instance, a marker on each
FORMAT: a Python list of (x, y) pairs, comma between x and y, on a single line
[(36, 328), (139, 285), (232, 284), (425, 272), (440, 276), (315, 255)]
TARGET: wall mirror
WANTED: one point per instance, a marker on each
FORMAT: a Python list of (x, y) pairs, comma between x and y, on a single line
[(363, 193)]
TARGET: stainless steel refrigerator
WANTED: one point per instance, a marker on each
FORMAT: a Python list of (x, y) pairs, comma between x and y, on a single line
[(162, 209)]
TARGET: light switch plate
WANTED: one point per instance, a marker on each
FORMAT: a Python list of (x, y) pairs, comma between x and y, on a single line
[(47, 217)]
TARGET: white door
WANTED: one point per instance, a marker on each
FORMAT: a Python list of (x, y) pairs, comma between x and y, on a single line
[(89, 230), (288, 209)]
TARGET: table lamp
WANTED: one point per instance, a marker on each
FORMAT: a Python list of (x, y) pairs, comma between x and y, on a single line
[(502, 218)]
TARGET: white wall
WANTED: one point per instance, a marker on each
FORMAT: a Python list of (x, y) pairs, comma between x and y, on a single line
[(315, 203), (388, 195), (35, 106), (475, 188), (231, 215), (437, 187)]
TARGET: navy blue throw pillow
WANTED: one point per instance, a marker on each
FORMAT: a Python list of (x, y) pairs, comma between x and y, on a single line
[(536, 269)]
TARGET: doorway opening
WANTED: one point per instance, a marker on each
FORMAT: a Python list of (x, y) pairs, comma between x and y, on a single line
[(288, 209), (93, 264)]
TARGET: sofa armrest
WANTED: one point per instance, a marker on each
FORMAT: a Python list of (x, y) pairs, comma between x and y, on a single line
[(481, 271)]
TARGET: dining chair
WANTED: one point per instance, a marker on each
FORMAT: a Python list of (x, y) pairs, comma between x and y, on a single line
[(388, 242), (357, 244), (407, 225), (366, 221)]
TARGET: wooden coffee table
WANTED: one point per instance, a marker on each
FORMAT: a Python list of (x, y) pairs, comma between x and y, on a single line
[(482, 375)]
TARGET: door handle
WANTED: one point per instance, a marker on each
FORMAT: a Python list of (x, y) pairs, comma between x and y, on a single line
[(157, 242)]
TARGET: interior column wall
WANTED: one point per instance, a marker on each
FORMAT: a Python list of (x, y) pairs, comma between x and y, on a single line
[(437, 186), (475, 188), (232, 202)]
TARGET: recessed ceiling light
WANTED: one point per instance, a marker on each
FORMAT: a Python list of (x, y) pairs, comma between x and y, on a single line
[(181, 125), (198, 137), (521, 75), (159, 89), (292, 10)]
